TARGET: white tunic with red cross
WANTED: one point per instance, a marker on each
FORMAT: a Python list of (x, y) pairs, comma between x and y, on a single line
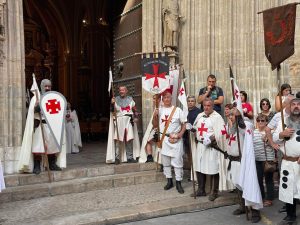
[(124, 113), (206, 158), (289, 187), (233, 174), (178, 118)]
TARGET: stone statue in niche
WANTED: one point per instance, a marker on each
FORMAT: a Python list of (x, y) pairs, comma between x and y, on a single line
[(170, 19)]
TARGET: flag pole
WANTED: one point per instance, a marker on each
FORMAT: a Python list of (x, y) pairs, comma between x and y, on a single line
[(237, 127), (191, 153), (115, 118), (43, 136), (278, 68)]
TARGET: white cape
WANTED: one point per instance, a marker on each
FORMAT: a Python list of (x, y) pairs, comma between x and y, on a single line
[(2, 183), (73, 135), (155, 149), (25, 163), (248, 182), (111, 148)]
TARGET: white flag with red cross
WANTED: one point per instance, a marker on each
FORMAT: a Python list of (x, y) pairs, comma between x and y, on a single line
[(183, 98), (155, 73), (53, 105)]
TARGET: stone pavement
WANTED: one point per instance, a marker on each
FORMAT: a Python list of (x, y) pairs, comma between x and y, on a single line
[(91, 192), (109, 206)]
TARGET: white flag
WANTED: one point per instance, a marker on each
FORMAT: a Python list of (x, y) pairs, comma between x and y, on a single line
[(110, 81), (174, 77), (182, 98), (237, 97), (34, 88)]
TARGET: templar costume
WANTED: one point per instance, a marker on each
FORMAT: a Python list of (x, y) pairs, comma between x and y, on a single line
[(206, 159), (32, 145), (73, 134), (289, 189), (172, 153), (127, 132)]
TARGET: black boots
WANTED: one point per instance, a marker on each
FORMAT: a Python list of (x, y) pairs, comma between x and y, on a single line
[(36, 166), (255, 216), (149, 158), (179, 187), (201, 179), (52, 163), (169, 184)]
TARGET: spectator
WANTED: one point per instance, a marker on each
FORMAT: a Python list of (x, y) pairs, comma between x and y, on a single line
[(265, 107), (247, 107), (263, 152), (285, 92), (212, 91)]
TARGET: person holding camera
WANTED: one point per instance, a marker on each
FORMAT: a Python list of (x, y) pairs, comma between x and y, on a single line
[(212, 91)]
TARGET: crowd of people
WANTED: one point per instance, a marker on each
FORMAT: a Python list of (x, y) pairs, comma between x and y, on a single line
[(238, 151)]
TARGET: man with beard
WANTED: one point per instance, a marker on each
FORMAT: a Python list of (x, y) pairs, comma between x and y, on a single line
[(33, 138), (123, 133), (289, 140)]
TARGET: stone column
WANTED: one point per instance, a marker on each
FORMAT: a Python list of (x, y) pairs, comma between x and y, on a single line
[(12, 88)]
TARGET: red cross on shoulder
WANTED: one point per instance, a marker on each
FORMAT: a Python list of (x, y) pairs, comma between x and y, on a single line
[(53, 106), (224, 132), (231, 139)]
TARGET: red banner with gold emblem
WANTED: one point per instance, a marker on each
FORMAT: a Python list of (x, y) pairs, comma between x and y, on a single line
[(279, 32)]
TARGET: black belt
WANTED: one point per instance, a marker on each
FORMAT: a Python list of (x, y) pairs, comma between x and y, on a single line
[(232, 158)]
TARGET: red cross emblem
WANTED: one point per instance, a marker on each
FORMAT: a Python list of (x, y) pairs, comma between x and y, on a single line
[(249, 131), (127, 108), (224, 132), (236, 94), (155, 75), (202, 129), (232, 138), (53, 106), (165, 119), (181, 91)]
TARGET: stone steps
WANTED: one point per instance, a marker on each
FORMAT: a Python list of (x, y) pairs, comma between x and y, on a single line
[(78, 172), (26, 187)]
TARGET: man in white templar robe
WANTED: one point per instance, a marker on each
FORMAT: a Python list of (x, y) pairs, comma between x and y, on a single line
[(32, 145), (126, 133), (289, 140), (73, 134), (172, 123), (207, 160)]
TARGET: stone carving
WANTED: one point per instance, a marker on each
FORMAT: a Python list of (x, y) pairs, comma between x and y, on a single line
[(170, 19)]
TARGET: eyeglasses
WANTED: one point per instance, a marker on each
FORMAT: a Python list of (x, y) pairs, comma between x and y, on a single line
[(260, 121), (265, 104)]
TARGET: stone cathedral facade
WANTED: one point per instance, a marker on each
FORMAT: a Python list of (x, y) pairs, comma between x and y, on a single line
[(211, 35)]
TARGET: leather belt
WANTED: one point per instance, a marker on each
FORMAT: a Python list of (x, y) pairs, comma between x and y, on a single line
[(233, 158), (290, 158)]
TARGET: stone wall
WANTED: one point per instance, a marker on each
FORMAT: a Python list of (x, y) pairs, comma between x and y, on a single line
[(216, 33), (12, 79)]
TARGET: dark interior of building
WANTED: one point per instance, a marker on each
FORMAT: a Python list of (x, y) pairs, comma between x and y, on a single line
[(74, 42)]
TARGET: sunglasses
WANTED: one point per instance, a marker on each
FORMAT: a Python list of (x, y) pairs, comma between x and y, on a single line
[(262, 121), (265, 103)]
